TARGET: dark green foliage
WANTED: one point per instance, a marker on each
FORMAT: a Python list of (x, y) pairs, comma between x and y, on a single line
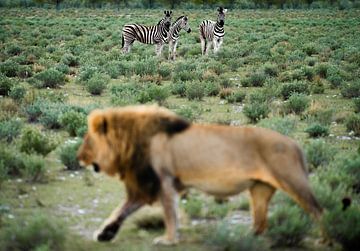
[(87, 72), (226, 236), (288, 89), (5, 85), (9, 68), (353, 124), (317, 130), (190, 112), (357, 105), (236, 97), (282, 125), (212, 88), (351, 90), (179, 88), (288, 225), (271, 69), (297, 103), (34, 168), (256, 111), (125, 94), (322, 69), (317, 87), (62, 68), (13, 50), (17, 92), (344, 226), (36, 233), (10, 129), (35, 141), (68, 155), (49, 78), (319, 153), (154, 92), (195, 90), (74, 122), (165, 70), (70, 60), (256, 79), (97, 83)]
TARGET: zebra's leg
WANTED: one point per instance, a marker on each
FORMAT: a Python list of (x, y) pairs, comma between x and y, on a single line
[(127, 46), (217, 44), (174, 50), (158, 49), (170, 50), (203, 45), (210, 44)]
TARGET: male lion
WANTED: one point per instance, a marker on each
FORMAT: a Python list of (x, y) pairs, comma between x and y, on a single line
[(156, 154)]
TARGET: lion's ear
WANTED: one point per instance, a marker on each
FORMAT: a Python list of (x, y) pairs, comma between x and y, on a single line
[(97, 122), (174, 124)]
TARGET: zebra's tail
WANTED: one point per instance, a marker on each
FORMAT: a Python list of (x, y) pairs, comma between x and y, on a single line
[(122, 41)]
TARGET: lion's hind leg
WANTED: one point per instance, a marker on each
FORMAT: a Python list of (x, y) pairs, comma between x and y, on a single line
[(261, 194)]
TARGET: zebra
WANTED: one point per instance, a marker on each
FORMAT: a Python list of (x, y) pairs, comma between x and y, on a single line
[(157, 34), (212, 32), (180, 23)]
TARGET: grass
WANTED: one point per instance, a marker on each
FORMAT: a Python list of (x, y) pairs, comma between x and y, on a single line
[(269, 47)]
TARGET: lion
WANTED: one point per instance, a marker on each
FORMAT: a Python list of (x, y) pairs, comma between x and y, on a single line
[(157, 154)]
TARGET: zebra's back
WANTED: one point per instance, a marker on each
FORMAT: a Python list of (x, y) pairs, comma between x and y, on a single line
[(142, 33)]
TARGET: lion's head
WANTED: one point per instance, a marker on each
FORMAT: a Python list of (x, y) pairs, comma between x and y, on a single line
[(118, 140)]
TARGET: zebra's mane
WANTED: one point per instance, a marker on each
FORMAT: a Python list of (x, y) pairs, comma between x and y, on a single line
[(178, 19)]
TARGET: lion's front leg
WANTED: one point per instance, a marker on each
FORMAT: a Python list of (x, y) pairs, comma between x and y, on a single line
[(112, 224), (169, 201)]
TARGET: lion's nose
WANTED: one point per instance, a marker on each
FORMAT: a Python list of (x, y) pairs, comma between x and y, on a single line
[(96, 167)]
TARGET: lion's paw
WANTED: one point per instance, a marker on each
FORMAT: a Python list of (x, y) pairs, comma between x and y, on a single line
[(164, 240), (107, 233)]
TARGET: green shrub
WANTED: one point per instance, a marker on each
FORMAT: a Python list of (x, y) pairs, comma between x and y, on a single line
[(317, 130), (212, 88), (49, 78), (256, 79), (317, 87), (10, 129), (217, 210), (9, 68), (70, 60), (3, 175), (284, 125), (37, 233), (236, 97), (18, 92), (344, 226), (322, 69), (322, 116), (270, 69), (288, 89), (179, 88), (319, 153), (12, 160), (193, 206), (353, 124), (311, 48), (49, 113), (334, 77), (189, 112), (68, 155), (73, 122), (297, 103), (87, 72), (34, 141), (256, 112), (288, 225), (357, 105), (62, 68), (351, 167), (165, 70), (124, 94), (5, 85), (34, 168), (195, 90), (14, 50), (351, 90), (226, 236), (182, 76), (97, 83), (145, 67)]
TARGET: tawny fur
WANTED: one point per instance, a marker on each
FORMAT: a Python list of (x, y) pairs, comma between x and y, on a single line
[(153, 151)]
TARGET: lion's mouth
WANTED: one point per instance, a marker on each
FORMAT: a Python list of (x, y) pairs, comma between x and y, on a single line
[(96, 167)]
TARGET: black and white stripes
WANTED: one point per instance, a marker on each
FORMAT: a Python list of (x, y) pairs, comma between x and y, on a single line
[(176, 27), (212, 32), (157, 34)]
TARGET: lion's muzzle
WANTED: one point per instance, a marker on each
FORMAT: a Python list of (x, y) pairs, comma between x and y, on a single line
[(96, 167)]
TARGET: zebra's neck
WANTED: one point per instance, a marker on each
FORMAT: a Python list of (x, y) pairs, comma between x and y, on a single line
[(218, 25), (175, 29)]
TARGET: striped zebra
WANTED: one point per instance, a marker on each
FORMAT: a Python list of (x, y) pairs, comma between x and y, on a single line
[(212, 32), (157, 34), (176, 27)]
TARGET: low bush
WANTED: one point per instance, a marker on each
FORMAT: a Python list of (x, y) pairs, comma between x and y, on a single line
[(70, 60), (344, 226), (165, 70), (195, 90), (37, 233), (157, 93), (97, 83), (34, 141), (49, 78), (353, 124), (189, 112), (271, 69), (236, 97), (297, 103), (317, 87), (68, 154), (17, 92), (256, 79), (317, 130), (212, 88), (256, 112), (227, 236), (321, 69), (9, 68), (74, 122), (288, 225), (193, 206), (179, 88), (5, 85), (225, 93), (10, 129), (322, 116), (34, 168), (319, 153), (288, 89), (351, 90), (357, 105), (87, 72)]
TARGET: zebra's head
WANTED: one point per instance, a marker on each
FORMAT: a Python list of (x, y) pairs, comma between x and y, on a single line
[(183, 23), (167, 19), (221, 16)]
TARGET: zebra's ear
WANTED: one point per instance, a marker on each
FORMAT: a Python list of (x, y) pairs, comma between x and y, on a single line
[(185, 18), (220, 9), (225, 10), (170, 12)]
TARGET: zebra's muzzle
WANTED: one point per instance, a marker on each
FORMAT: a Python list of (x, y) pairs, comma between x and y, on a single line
[(189, 30), (222, 22)]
